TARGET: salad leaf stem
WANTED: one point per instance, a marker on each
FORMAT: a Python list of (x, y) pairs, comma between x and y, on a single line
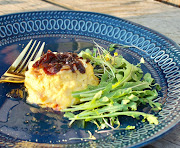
[(122, 89)]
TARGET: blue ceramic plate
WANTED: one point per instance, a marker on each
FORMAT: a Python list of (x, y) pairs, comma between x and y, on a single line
[(23, 125)]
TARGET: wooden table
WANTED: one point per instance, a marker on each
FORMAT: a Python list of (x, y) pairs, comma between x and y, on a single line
[(153, 14)]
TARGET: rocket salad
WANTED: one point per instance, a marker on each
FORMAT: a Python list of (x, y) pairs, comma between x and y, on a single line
[(122, 88)]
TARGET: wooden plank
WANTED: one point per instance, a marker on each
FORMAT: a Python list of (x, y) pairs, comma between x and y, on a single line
[(15, 6), (126, 8)]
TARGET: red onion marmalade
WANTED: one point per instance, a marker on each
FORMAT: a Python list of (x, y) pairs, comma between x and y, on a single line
[(52, 63)]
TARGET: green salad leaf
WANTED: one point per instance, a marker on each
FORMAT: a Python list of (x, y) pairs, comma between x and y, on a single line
[(122, 88)]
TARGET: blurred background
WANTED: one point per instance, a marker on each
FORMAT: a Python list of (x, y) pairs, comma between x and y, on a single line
[(160, 15)]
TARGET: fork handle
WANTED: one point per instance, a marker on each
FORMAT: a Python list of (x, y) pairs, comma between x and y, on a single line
[(12, 81)]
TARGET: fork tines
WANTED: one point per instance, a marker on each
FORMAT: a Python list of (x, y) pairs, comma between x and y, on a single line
[(16, 71), (30, 52)]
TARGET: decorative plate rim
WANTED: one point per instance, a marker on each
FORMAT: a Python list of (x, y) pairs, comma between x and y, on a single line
[(160, 35)]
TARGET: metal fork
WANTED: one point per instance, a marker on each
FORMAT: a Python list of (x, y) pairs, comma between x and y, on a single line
[(15, 73)]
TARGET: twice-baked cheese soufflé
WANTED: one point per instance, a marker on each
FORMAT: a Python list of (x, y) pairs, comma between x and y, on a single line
[(51, 79)]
